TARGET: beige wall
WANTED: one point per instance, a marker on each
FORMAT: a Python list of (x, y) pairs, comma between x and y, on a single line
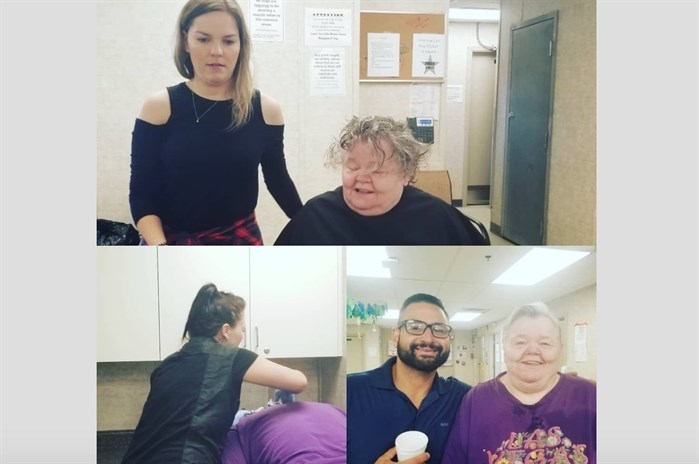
[(122, 389), (571, 215), (579, 308)]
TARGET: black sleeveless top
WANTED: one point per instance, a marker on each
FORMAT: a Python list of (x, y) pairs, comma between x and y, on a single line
[(193, 398), (199, 175)]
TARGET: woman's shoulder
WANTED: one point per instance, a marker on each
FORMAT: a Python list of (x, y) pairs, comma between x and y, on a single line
[(579, 383), (271, 110), (488, 387), (326, 204), (420, 200), (330, 197), (156, 108), (415, 194), (332, 206), (245, 354)]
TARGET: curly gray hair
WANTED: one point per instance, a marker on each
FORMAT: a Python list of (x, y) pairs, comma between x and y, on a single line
[(409, 152)]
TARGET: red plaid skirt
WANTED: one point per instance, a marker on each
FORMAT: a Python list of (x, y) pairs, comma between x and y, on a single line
[(244, 231)]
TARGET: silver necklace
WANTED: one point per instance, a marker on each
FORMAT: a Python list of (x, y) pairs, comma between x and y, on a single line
[(204, 113)]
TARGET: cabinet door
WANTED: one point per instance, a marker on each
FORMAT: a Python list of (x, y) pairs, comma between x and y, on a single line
[(183, 271), (296, 301), (127, 304)]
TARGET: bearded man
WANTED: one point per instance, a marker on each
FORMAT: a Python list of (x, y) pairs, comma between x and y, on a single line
[(405, 393)]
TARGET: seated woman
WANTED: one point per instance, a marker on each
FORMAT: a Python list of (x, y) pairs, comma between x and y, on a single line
[(292, 433), (531, 413), (375, 205)]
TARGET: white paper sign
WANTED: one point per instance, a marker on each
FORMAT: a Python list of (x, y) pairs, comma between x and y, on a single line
[(267, 20), (328, 72), (424, 101), (428, 55), (383, 54), (455, 93), (325, 27)]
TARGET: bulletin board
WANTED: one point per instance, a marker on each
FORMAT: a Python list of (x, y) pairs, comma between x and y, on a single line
[(405, 24)]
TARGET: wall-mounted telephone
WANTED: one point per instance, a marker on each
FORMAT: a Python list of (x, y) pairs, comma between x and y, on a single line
[(422, 128)]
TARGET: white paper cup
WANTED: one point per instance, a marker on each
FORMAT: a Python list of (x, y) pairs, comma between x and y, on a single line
[(411, 443)]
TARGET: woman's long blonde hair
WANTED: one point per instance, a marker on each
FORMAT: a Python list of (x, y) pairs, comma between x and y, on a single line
[(241, 80)]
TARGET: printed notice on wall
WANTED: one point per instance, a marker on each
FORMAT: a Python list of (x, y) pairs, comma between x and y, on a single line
[(383, 58), (424, 101), (328, 72), (267, 20), (328, 28), (455, 93), (428, 55), (580, 342)]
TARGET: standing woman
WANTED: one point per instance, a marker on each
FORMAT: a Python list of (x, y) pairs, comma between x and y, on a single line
[(197, 145), (195, 392), (532, 413)]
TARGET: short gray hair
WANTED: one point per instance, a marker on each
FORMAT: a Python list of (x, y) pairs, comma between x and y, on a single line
[(532, 310), (409, 152)]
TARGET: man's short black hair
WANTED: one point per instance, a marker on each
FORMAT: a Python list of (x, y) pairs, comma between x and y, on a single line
[(422, 298)]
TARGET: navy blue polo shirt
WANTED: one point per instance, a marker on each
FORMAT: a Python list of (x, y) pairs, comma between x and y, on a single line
[(377, 412)]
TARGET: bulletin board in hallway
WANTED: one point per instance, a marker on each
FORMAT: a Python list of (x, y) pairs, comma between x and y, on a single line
[(405, 24)]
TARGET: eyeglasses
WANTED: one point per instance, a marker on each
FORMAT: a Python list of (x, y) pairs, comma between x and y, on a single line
[(414, 327)]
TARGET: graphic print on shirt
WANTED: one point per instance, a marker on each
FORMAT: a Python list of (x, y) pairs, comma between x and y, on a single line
[(538, 447)]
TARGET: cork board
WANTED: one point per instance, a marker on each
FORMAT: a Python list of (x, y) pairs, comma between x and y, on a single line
[(405, 24)]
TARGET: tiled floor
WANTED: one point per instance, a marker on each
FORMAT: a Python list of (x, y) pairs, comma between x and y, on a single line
[(482, 214)]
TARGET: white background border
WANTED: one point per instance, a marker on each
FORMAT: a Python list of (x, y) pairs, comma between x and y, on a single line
[(647, 231)]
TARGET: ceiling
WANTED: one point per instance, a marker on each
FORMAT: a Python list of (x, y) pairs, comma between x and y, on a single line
[(462, 278)]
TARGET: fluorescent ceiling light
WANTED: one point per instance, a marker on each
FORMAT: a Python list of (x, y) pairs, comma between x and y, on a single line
[(367, 262), (391, 314), (465, 316), (539, 264), (474, 14)]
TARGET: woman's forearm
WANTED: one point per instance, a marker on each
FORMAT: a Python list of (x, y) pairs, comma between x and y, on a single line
[(151, 229)]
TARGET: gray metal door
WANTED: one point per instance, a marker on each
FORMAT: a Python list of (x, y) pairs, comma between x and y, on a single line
[(530, 103)]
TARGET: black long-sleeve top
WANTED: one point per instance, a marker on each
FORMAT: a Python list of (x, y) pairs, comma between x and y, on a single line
[(199, 175)]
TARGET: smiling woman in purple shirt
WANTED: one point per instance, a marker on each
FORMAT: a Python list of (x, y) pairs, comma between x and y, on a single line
[(530, 414)]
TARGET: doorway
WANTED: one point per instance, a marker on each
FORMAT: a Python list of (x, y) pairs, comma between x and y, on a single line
[(527, 147), (479, 120), (355, 354)]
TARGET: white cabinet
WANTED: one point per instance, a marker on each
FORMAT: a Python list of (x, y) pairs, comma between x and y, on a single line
[(183, 271), (127, 304), (294, 298), (296, 301)]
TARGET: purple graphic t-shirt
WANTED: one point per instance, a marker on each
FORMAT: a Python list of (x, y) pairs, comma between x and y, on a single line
[(493, 427)]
